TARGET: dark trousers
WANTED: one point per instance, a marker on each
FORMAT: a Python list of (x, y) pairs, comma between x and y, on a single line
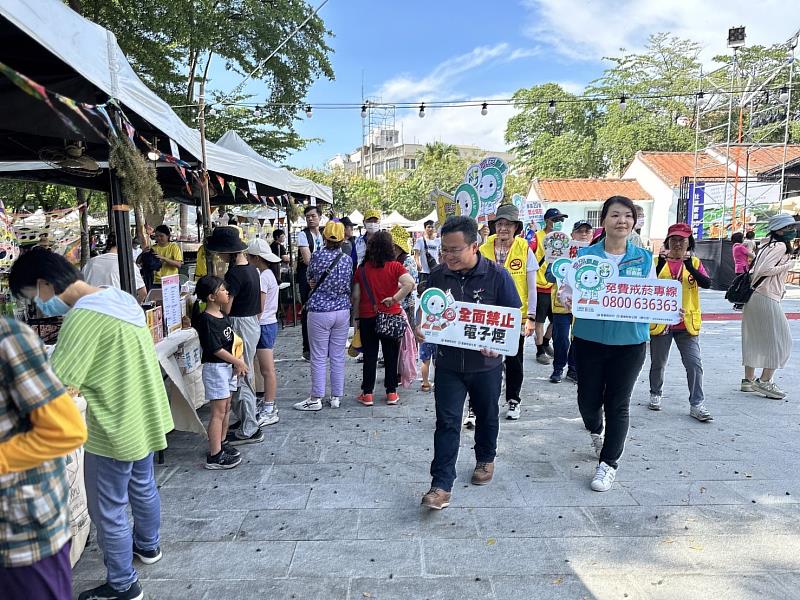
[(47, 579), (514, 371), (450, 391), (305, 292), (391, 353), (564, 353), (606, 376)]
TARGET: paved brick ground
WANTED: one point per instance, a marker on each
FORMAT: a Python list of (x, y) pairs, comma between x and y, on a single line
[(328, 506)]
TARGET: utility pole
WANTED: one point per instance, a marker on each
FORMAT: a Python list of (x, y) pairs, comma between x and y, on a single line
[(205, 202)]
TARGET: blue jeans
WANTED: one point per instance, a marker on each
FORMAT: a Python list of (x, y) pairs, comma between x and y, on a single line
[(450, 391), (110, 485), (564, 353)]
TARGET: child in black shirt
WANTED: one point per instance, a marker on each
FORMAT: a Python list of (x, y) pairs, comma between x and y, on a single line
[(221, 368)]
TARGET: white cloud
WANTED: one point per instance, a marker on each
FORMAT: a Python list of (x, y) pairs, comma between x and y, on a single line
[(582, 30), (463, 125)]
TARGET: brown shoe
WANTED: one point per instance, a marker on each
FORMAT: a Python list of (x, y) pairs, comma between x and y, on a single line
[(483, 473), (436, 499)]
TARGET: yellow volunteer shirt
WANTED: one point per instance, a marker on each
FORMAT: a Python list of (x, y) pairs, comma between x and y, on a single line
[(171, 251)]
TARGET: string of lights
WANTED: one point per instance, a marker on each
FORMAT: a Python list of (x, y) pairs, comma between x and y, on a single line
[(780, 92)]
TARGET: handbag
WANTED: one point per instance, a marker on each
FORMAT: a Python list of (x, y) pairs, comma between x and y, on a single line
[(386, 325), (742, 288)]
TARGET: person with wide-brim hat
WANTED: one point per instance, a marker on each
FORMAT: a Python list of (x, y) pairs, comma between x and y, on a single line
[(265, 260), (244, 309), (330, 274), (508, 250), (766, 336)]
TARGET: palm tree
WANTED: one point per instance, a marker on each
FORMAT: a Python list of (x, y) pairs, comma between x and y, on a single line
[(437, 152)]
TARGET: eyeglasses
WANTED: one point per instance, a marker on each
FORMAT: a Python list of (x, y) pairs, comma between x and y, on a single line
[(444, 250)]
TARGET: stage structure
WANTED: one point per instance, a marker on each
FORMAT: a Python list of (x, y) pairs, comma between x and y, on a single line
[(736, 135)]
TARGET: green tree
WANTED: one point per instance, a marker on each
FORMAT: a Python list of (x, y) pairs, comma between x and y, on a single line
[(668, 66), (558, 143), (437, 152), (170, 43)]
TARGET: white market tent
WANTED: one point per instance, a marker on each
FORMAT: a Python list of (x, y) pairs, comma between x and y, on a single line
[(356, 217), (93, 52), (395, 218), (419, 225), (293, 183)]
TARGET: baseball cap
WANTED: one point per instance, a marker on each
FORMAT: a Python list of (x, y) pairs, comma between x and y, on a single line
[(554, 213), (582, 223), (260, 247), (680, 230)]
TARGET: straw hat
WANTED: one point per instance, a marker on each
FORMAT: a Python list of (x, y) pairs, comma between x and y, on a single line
[(400, 238), (333, 232)]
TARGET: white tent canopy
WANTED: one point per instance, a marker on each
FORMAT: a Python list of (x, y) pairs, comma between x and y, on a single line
[(356, 217), (93, 52), (395, 218), (419, 225), (293, 183)]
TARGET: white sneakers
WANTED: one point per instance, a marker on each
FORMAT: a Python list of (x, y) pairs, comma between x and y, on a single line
[(603, 477), (768, 389), (469, 422), (700, 412), (655, 402), (514, 411), (309, 404), (335, 401), (266, 418), (597, 443), (747, 385)]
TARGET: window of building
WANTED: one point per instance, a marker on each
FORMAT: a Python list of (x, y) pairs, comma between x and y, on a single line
[(410, 163), (392, 164), (378, 168), (593, 216)]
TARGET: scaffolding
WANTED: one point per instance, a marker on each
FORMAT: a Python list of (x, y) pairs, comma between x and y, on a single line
[(379, 118), (754, 119)]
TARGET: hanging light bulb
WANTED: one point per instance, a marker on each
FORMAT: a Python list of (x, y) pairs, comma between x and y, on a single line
[(257, 111), (422, 111), (309, 114), (363, 111), (153, 155), (784, 95), (551, 107), (484, 109), (623, 102)]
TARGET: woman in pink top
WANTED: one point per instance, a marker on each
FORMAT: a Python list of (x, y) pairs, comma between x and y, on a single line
[(766, 338), (742, 255)]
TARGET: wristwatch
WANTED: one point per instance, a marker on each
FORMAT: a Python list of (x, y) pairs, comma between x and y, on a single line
[(532, 318)]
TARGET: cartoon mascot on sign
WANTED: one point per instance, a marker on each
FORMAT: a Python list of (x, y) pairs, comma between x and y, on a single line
[(435, 304), (590, 280)]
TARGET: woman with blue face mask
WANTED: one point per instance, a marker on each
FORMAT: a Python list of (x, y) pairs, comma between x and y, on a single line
[(766, 338)]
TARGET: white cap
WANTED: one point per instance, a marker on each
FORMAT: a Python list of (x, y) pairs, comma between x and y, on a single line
[(259, 247)]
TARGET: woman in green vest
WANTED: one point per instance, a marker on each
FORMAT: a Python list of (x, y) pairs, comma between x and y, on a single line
[(677, 262), (508, 250)]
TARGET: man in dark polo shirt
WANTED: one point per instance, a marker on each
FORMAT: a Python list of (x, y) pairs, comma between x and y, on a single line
[(244, 309)]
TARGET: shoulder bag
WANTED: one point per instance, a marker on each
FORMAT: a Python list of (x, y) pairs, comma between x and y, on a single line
[(742, 287), (323, 277), (432, 262), (386, 325)]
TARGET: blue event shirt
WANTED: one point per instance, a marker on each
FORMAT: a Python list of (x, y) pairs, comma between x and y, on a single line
[(334, 293)]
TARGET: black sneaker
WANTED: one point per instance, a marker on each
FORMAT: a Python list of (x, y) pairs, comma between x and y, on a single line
[(572, 375), (234, 440), (106, 592), (222, 460), (555, 377), (228, 449), (148, 557), (548, 349), (307, 356)]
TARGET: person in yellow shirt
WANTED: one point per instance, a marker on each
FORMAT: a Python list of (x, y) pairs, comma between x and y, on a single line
[(512, 253), (169, 253), (40, 425)]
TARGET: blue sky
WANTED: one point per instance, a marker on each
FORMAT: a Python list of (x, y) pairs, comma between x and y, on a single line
[(413, 51)]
